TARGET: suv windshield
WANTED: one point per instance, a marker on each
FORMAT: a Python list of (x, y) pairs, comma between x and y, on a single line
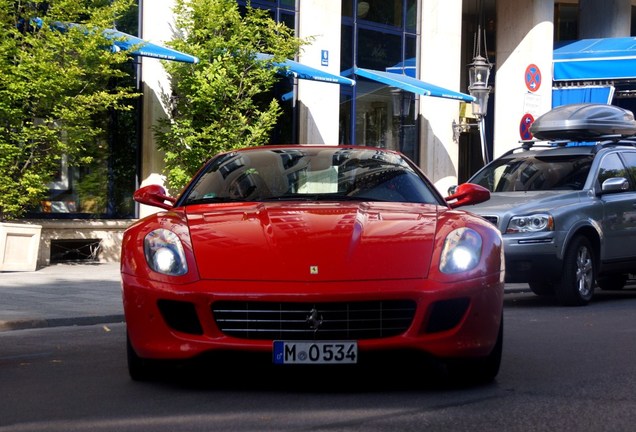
[(535, 173)]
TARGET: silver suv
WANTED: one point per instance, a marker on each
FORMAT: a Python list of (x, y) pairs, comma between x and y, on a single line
[(567, 209)]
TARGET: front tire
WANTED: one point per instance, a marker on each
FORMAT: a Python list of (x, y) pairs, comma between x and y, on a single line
[(481, 370), (139, 369), (576, 287)]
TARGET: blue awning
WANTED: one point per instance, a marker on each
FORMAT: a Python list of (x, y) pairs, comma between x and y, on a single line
[(132, 44), (595, 59), (410, 84), (602, 94), (301, 71), (407, 67), (144, 48)]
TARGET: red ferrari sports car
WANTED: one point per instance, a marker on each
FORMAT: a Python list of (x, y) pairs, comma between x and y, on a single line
[(317, 255)]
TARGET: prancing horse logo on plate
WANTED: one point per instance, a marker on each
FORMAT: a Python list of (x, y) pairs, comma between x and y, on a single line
[(313, 269)]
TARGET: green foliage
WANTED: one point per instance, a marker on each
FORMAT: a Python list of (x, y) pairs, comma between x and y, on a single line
[(55, 88), (223, 102)]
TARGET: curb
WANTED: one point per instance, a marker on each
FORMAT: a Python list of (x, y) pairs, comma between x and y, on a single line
[(60, 322)]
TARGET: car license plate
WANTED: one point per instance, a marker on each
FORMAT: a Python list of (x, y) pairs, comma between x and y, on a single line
[(315, 352)]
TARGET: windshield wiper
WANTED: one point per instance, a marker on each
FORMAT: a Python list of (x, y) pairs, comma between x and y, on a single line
[(211, 200), (319, 197), (291, 197)]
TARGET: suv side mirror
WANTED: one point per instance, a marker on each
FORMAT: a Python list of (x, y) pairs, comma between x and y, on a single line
[(154, 195), (615, 184), (467, 194)]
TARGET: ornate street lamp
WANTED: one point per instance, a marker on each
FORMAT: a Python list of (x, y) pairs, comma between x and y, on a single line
[(401, 108), (478, 75)]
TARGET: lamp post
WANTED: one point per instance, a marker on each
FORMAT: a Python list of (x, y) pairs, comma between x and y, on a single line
[(478, 75)]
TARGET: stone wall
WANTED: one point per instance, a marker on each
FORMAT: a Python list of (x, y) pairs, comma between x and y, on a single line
[(106, 233)]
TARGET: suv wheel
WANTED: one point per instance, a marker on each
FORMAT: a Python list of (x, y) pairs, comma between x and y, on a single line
[(576, 287), (612, 282)]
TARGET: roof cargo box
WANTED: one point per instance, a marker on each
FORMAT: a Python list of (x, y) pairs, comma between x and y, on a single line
[(584, 122)]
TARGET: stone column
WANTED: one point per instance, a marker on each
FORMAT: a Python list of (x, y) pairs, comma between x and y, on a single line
[(439, 64), (156, 26), (523, 81), (319, 102), (604, 18)]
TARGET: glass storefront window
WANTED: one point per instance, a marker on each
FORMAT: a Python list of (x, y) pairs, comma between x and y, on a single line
[(385, 117), (282, 11), (347, 8), (346, 48), (388, 12), (375, 114), (378, 50)]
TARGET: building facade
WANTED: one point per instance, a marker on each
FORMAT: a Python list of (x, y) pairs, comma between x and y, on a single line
[(432, 41)]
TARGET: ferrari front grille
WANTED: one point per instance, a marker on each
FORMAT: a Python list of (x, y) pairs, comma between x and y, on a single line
[(309, 321)]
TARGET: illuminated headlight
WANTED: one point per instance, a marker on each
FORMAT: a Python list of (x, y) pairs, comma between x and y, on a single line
[(532, 223), (461, 252), (164, 252)]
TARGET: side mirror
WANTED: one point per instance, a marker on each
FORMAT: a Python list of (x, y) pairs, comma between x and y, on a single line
[(154, 195), (615, 184), (467, 194)]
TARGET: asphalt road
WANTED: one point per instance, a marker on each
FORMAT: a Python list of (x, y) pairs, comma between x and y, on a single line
[(566, 369)]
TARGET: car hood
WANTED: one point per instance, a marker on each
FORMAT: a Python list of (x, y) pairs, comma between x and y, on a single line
[(521, 202), (313, 241)]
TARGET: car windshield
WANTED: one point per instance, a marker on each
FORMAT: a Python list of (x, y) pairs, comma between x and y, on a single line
[(535, 173), (309, 174)]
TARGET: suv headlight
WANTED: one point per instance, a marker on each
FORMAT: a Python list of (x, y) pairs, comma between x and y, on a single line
[(532, 223), (164, 252), (461, 252)]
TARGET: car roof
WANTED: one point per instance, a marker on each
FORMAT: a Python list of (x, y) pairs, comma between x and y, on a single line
[(566, 148)]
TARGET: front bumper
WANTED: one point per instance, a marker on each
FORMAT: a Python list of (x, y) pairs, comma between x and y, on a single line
[(532, 258), (450, 320)]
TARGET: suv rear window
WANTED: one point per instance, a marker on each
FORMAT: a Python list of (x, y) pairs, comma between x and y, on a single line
[(535, 173)]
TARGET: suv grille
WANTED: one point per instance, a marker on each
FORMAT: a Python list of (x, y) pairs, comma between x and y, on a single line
[(307, 321), (492, 219)]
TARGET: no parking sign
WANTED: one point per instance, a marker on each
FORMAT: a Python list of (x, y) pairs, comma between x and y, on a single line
[(532, 77), (524, 127)]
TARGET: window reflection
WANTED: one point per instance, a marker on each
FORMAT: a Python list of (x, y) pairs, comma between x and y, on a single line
[(611, 166), (535, 173), (378, 50), (387, 12), (386, 36), (309, 174)]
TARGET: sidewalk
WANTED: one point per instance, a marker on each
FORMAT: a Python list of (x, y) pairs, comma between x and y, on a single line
[(61, 295)]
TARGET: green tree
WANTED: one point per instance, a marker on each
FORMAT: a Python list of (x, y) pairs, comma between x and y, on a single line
[(224, 102), (57, 83)]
